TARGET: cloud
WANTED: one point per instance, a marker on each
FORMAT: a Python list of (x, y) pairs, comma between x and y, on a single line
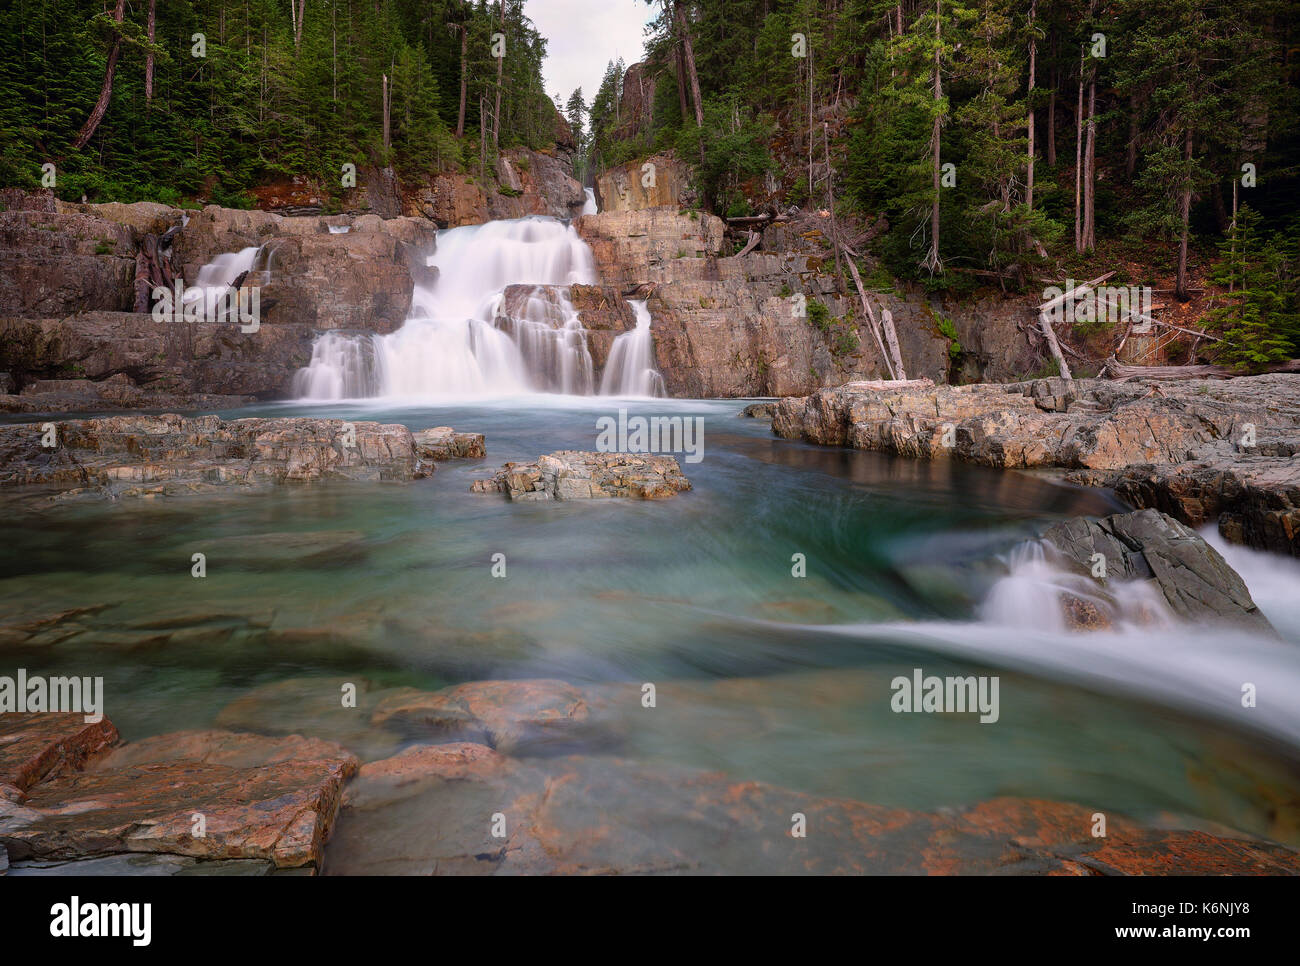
[(583, 36)]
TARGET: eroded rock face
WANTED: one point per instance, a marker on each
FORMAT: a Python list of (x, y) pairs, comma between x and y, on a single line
[(529, 182), (1147, 545), (53, 263), (657, 181), (259, 798), (573, 475), (122, 456), (117, 360), (1176, 446), (430, 811)]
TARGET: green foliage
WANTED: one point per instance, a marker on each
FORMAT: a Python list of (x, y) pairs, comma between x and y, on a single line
[(948, 330), (819, 316), (259, 106), (1261, 318)]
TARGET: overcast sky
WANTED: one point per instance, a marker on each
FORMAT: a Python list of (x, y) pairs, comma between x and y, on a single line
[(582, 36)]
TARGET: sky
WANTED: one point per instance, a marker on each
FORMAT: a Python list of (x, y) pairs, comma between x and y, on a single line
[(583, 36)]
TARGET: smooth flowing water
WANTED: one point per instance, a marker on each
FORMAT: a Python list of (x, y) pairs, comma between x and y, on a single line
[(761, 674), (469, 334)]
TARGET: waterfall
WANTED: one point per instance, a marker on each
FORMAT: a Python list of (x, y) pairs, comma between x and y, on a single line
[(630, 370), (497, 320), (218, 275), (590, 207), (1033, 592)]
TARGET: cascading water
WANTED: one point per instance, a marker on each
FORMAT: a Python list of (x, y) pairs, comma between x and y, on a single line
[(218, 275), (631, 367), (466, 335), (590, 207)]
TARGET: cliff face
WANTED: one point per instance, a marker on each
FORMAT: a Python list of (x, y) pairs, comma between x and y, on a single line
[(526, 183), (730, 326), (69, 338), (659, 181)]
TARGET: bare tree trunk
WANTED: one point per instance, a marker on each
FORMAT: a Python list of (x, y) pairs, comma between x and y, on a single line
[(830, 196), (932, 259), (1233, 228), (1090, 169), (1180, 286), (387, 96), (681, 82), (1078, 164), (148, 58), (297, 27), (464, 81), (688, 52), (501, 61), (1051, 105), (1033, 56), (1131, 149), (106, 91)]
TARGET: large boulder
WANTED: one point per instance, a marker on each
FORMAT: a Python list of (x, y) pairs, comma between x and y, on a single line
[(571, 475), (1147, 545)]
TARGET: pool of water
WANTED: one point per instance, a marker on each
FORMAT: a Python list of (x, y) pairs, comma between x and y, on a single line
[(760, 673)]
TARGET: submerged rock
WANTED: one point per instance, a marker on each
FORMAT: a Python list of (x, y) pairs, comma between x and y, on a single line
[(1195, 449), (573, 475), (514, 717), (760, 410), (123, 456), (1194, 579), (432, 811), (204, 794)]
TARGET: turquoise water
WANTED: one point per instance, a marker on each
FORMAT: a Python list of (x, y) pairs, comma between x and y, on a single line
[(760, 674)]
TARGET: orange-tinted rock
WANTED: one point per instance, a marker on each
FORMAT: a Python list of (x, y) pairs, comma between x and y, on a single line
[(436, 810), (511, 716), (36, 746), (255, 797)]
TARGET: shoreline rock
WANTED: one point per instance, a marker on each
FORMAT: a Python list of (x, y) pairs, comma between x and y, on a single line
[(1196, 450), (574, 475), (139, 456)]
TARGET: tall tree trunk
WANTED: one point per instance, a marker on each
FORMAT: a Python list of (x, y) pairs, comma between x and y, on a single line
[(501, 61), (464, 80), (1090, 170), (688, 52), (1033, 57), (388, 129), (1131, 149), (297, 25), (681, 82), (1180, 286), (148, 58), (106, 91), (1051, 104), (932, 259), (1078, 163)]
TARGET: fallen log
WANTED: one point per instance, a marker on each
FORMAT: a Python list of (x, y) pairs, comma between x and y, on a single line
[(1118, 372)]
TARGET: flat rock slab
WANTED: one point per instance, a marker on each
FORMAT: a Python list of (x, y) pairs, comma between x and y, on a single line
[(138, 456), (444, 443), (514, 717), (143, 863), (575, 475), (35, 746), (1193, 577), (433, 810), (273, 799)]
